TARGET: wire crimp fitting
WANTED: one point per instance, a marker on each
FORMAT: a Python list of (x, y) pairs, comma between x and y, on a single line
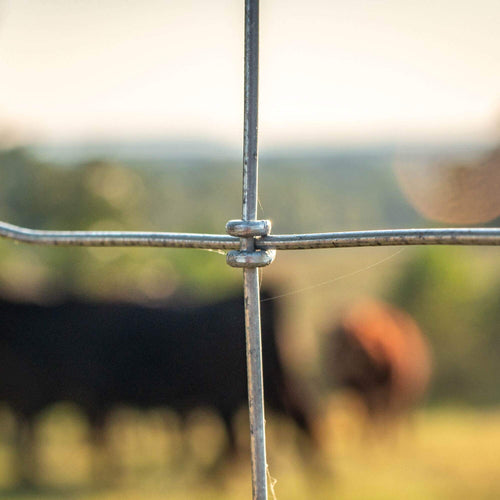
[(249, 229)]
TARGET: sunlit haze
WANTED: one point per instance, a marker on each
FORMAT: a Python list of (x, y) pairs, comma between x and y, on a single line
[(331, 72)]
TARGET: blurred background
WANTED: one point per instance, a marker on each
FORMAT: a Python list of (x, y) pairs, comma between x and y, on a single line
[(128, 116)]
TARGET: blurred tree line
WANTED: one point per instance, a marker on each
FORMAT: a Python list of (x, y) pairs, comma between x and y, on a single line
[(192, 196), (454, 293), (106, 195), (451, 292)]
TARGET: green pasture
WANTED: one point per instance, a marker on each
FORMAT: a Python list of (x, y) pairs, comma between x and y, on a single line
[(451, 449), (442, 453)]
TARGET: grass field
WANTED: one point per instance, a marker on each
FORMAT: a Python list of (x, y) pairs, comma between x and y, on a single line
[(446, 452), (443, 453)]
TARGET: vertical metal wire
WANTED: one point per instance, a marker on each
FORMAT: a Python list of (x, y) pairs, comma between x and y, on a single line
[(255, 384), (250, 150), (251, 275)]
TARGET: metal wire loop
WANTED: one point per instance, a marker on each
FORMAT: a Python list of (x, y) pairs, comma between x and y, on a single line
[(248, 228), (258, 258)]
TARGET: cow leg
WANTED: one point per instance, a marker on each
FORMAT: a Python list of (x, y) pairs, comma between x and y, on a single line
[(104, 464), (179, 454), (303, 421), (229, 454), (300, 410), (231, 449), (26, 455)]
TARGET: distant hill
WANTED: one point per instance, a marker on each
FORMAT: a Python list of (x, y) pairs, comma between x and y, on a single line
[(175, 149), (74, 152)]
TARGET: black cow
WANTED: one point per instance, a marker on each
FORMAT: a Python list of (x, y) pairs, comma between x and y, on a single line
[(101, 355)]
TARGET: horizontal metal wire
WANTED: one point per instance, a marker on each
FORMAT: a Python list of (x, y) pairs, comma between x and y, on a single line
[(119, 238), (389, 237)]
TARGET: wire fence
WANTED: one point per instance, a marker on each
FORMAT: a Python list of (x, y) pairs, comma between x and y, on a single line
[(250, 246)]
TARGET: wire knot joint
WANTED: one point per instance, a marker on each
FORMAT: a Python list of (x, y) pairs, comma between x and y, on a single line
[(249, 230)]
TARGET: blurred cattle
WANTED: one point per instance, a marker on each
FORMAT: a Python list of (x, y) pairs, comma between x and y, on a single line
[(379, 353), (103, 355)]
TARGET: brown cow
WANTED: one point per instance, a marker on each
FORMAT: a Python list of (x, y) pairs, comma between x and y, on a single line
[(379, 352)]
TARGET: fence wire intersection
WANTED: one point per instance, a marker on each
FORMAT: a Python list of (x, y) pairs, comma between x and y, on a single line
[(250, 245), (308, 241)]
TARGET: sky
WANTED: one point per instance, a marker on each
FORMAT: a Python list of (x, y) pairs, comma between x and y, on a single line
[(331, 71)]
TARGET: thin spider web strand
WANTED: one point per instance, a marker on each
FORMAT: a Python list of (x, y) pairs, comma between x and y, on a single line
[(323, 283)]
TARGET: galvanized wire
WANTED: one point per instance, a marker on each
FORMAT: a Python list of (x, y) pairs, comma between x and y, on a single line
[(119, 238), (388, 237), (250, 272), (251, 113), (253, 250)]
